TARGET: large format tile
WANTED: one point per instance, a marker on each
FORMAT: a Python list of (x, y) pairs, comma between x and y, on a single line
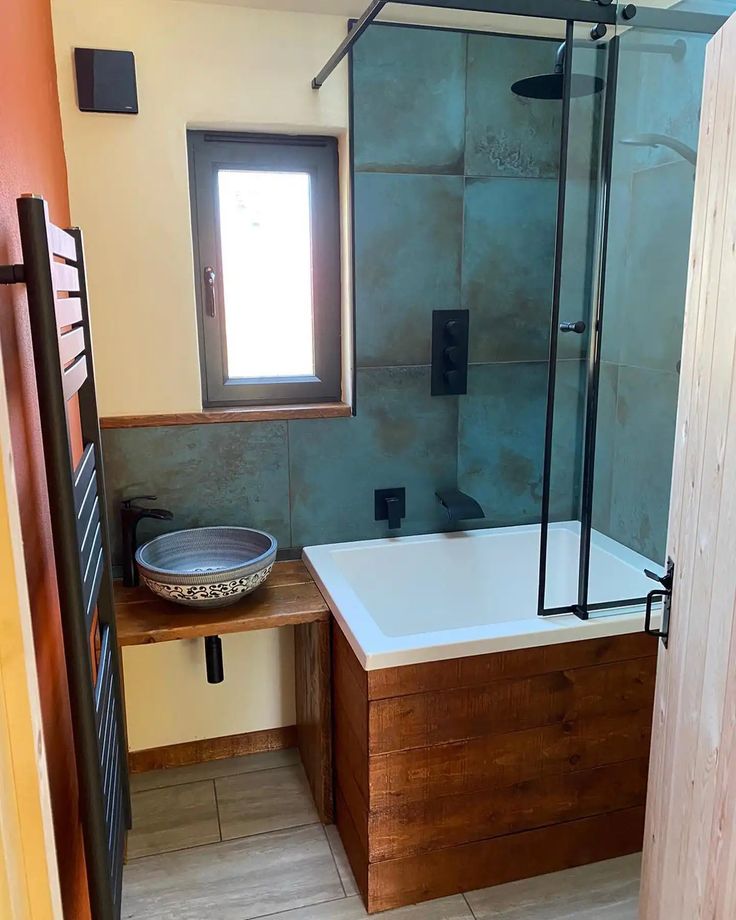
[(578, 262), (409, 100), (270, 800), (508, 267), (173, 818), (508, 135), (401, 436), (601, 891), (656, 280), (501, 440), (408, 243), (642, 465), (205, 474), (454, 908), (175, 776), (236, 880), (568, 445), (605, 440)]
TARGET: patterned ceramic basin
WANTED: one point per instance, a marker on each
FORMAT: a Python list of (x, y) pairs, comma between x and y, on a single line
[(207, 566)]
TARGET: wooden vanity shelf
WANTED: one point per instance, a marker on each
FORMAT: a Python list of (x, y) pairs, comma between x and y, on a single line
[(289, 598)]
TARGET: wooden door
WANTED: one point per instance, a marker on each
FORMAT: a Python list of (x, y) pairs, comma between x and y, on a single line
[(690, 841)]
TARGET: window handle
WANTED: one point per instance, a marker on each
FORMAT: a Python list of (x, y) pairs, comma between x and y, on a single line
[(210, 290)]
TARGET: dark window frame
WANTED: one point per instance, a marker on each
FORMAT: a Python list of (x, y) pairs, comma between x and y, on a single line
[(210, 151)]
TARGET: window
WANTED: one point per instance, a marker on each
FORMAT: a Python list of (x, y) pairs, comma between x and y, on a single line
[(265, 212)]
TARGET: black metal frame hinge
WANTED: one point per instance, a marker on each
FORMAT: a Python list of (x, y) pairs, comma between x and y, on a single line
[(12, 274), (665, 595)]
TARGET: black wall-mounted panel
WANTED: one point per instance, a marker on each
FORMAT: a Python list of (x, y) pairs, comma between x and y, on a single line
[(106, 81), (450, 329)]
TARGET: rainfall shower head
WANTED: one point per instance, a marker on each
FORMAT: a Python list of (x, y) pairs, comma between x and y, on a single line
[(662, 140), (552, 85)]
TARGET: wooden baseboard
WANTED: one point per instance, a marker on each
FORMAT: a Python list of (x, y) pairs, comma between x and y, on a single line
[(191, 752)]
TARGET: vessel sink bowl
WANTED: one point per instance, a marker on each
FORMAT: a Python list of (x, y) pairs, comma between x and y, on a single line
[(207, 566)]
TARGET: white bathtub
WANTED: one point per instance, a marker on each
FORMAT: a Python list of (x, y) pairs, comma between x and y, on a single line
[(407, 600)]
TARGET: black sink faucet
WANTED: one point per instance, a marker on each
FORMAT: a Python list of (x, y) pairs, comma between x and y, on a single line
[(459, 506), (130, 515)]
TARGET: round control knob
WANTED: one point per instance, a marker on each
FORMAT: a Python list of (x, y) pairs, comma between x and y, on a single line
[(578, 327)]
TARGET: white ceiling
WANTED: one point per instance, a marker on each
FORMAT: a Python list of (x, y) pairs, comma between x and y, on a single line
[(394, 12)]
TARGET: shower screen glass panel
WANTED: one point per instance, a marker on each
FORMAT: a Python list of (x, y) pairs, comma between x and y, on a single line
[(576, 279), (653, 171)]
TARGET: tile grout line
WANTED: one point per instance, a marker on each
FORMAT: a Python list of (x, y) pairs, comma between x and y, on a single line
[(470, 908), (291, 910), (190, 782), (199, 846), (334, 860), (217, 808)]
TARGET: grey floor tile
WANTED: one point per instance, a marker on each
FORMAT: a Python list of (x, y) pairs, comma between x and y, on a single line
[(173, 818), (235, 880), (601, 891), (341, 860), (213, 769), (453, 908), (255, 803)]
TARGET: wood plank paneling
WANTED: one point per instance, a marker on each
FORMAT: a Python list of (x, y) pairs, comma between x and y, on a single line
[(192, 752), (477, 764), (351, 840), (395, 882), (433, 784), (477, 670), (312, 661), (509, 705), (143, 618), (451, 820)]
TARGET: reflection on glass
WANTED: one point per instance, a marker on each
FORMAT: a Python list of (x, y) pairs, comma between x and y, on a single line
[(266, 245), (579, 244), (654, 151)]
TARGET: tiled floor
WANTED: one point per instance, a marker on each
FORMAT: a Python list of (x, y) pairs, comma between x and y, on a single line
[(239, 839)]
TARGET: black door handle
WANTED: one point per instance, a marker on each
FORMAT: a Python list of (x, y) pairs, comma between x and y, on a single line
[(665, 595), (210, 278)]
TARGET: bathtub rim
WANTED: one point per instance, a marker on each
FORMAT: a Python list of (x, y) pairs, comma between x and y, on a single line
[(375, 650)]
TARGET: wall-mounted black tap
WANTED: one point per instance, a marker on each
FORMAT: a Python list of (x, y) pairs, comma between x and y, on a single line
[(459, 506), (130, 515), (390, 505)]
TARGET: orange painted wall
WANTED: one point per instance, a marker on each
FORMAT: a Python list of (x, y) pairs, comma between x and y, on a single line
[(32, 160)]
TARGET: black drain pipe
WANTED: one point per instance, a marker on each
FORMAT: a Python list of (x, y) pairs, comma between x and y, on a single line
[(213, 659)]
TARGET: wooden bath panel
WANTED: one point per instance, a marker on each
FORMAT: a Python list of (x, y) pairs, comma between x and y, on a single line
[(454, 775)]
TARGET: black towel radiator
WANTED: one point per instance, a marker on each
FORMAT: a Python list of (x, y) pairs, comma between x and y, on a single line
[(54, 275)]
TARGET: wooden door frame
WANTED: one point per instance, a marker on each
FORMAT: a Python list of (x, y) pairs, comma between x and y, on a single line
[(29, 877)]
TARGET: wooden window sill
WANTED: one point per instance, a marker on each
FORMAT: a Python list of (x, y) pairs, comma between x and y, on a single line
[(215, 416)]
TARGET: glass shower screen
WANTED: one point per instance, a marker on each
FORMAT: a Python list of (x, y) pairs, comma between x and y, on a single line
[(626, 197)]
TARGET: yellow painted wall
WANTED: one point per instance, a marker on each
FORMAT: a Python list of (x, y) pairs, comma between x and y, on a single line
[(202, 66), (168, 699), (198, 65)]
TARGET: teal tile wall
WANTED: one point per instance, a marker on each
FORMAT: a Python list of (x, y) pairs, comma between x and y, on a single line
[(507, 135), (508, 267), (408, 253), (649, 234), (410, 95), (455, 206)]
